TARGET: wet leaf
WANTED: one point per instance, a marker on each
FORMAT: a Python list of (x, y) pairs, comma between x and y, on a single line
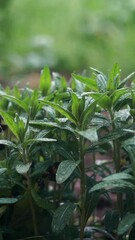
[(126, 223), (110, 184), (89, 134), (23, 168), (90, 82), (111, 220), (65, 169), (45, 81), (9, 120), (117, 176), (15, 100), (62, 110), (2, 170), (101, 82), (8, 200), (62, 216)]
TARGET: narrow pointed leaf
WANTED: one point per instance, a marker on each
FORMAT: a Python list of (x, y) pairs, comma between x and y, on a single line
[(104, 100), (45, 81), (129, 146), (111, 220), (118, 176), (65, 169), (2, 170), (8, 200), (34, 140), (41, 124), (15, 100), (114, 78), (126, 223), (90, 82), (75, 105), (9, 120), (7, 143), (119, 95), (88, 114), (90, 134), (62, 216), (63, 111), (91, 202), (102, 83), (125, 80), (110, 184)]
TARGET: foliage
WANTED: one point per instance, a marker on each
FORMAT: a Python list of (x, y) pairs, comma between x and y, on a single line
[(46, 136)]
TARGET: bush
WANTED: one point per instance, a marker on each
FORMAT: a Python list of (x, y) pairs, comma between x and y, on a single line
[(46, 135)]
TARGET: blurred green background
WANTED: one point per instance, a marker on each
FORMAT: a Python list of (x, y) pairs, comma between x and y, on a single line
[(68, 35)]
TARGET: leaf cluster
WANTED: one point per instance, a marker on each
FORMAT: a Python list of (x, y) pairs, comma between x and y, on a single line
[(50, 145)]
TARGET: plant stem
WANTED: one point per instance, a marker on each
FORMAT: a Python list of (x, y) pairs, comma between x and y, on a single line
[(25, 160), (116, 159), (94, 177), (83, 188), (33, 215), (116, 145)]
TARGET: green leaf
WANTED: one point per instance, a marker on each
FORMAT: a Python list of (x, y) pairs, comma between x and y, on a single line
[(81, 105), (112, 184), (88, 114), (114, 78), (122, 83), (91, 202), (63, 149), (103, 232), (8, 200), (129, 146), (34, 104), (64, 170), (77, 86), (23, 168), (90, 82), (2, 170), (118, 176), (104, 100), (119, 95), (41, 201), (40, 140), (90, 134), (62, 110), (8, 143), (42, 124), (14, 100), (45, 81), (75, 105), (133, 98), (112, 135), (101, 82), (9, 120), (111, 220), (126, 223), (62, 216)]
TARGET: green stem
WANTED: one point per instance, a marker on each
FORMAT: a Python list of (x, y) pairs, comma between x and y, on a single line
[(116, 145), (83, 189), (116, 159), (25, 160), (33, 215)]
